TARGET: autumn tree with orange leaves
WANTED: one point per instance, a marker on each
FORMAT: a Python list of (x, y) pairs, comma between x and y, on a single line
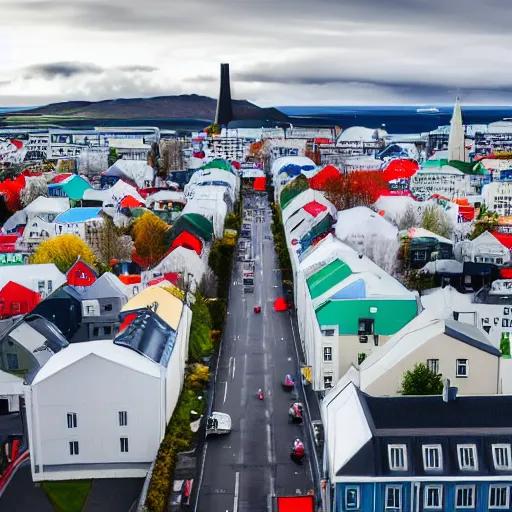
[(358, 188)]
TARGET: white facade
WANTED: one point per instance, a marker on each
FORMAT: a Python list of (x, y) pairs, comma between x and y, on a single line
[(100, 410), (43, 278), (484, 249), (446, 181), (498, 198), (40, 216)]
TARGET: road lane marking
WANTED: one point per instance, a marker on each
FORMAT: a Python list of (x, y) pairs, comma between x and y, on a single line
[(235, 499), (225, 391), (229, 365), (234, 365), (269, 444)]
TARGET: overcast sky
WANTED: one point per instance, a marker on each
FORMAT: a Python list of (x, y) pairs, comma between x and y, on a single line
[(281, 52)]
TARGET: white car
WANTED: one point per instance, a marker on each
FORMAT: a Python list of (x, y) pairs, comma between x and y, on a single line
[(218, 423)]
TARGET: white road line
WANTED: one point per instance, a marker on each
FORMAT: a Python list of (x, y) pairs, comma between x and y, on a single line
[(269, 444), (234, 365), (229, 365), (225, 391), (235, 498)]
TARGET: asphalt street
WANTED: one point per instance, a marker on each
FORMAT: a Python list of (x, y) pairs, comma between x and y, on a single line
[(245, 468)]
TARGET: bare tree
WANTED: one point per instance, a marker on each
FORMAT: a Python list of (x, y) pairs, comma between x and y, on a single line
[(208, 285), (35, 187), (112, 244), (408, 219), (437, 221)]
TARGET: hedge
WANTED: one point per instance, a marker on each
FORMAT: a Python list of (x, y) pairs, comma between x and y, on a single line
[(200, 343), (178, 438), (220, 261), (283, 256), (218, 309)]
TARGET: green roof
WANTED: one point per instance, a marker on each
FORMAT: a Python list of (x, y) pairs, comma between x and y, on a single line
[(391, 316), (327, 277), (218, 163), (193, 223), (293, 189)]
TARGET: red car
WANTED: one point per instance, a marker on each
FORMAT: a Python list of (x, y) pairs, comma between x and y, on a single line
[(257, 309)]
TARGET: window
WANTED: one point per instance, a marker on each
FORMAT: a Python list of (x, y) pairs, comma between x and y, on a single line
[(95, 331), (432, 456), (12, 362), (327, 332), (108, 307), (124, 444), (397, 454), (123, 418), (50, 286), (72, 420), (351, 498), (499, 496), (393, 498), (327, 354), (90, 310), (328, 382), (433, 365), (107, 330), (365, 326), (467, 457), (501, 456), (462, 368), (433, 496), (73, 448), (40, 286), (465, 496)]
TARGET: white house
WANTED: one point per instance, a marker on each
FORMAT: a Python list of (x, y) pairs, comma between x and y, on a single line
[(42, 278), (99, 409), (136, 171), (74, 221), (286, 168), (438, 177), (457, 351), (40, 216), (484, 249), (498, 197)]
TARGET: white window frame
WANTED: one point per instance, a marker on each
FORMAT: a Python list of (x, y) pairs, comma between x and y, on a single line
[(72, 420), (435, 363), (425, 497), (358, 491), (460, 448), (507, 503), (459, 375), (389, 488), (123, 418), (425, 449), (328, 377), (508, 452), (328, 357), (473, 496), (403, 448)]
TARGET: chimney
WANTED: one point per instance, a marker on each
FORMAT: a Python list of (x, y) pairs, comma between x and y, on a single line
[(449, 393), (224, 112)]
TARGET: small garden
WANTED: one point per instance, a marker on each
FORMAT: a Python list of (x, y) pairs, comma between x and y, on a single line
[(68, 496)]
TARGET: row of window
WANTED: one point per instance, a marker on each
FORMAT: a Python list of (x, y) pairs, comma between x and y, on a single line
[(433, 457), (74, 447), (465, 497), (461, 367), (73, 421)]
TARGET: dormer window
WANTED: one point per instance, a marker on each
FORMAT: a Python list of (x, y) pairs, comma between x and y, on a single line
[(432, 457), (467, 457), (397, 454), (501, 455)]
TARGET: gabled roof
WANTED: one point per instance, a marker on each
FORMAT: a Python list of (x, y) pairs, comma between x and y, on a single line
[(104, 349), (106, 286), (78, 215), (168, 307), (193, 223), (363, 222), (487, 239), (48, 205), (22, 273), (327, 277), (83, 262)]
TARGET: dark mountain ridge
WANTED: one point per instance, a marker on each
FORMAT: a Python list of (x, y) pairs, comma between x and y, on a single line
[(186, 106)]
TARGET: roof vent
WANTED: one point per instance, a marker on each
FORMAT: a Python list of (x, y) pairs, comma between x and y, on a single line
[(449, 393)]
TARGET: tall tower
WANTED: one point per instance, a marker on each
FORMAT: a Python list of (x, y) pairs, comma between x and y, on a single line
[(457, 138), (224, 112)]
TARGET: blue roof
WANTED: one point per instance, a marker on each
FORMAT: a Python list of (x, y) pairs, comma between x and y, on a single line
[(78, 215), (355, 290)]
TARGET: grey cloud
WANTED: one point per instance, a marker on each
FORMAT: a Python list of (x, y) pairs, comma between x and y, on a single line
[(138, 68), (60, 70)]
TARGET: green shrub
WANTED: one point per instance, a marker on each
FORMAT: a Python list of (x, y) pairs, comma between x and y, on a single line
[(200, 344), (218, 309), (220, 261)]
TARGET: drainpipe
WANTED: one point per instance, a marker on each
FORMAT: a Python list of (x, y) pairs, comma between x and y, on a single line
[(417, 485), (375, 497)]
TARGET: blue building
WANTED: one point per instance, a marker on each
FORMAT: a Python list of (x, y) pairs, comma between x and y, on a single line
[(417, 453)]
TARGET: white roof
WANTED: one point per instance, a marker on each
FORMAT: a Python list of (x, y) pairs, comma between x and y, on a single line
[(363, 162), (128, 144), (357, 133), (443, 169), (395, 206), (302, 199), (496, 164), (166, 195), (27, 336), (421, 232), (346, 426), (182, 260), (283, 161), (415, 334), (105, 349), (18, 218), (448, 298), (23, 273), (440, 155), (48, 205), (362, 221), (490, 243), (114, 194), (451, 266), (137, 171)]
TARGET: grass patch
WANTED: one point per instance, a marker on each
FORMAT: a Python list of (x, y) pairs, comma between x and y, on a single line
[(68, 496)]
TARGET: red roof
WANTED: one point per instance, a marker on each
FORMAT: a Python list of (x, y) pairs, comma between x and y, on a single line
[(321, 178), (260, 183), (188, 241), (315, 208), (172, 277), (506, 273), (400, 169), (61, 177), (131, 202), (17, 143), (504, 238)]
